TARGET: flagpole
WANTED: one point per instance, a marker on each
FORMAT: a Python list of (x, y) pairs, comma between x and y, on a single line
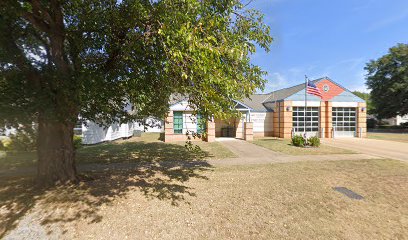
[(305, 105)]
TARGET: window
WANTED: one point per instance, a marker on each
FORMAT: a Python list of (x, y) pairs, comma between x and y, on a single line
[(178, 122), (200, 124), (310, 121)]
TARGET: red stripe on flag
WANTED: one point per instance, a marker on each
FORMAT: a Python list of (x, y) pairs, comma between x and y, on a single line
[(314, 91)]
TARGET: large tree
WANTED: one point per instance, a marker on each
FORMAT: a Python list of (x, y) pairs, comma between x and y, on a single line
[(62, 59), (366, 97), (388, 80)]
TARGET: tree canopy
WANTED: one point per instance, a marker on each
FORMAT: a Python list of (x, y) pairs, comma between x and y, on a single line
[(61, 59), (366, 97), (97, 56), (388, 80)]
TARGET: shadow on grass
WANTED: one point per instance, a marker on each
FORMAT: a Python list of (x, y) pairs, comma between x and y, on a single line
[(17, 160), (137, 151), (17, 196), (156, 170)]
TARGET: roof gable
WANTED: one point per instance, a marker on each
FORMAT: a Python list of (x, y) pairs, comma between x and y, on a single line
[(241, 105), (300, 96), (329, 89), (180, 106)]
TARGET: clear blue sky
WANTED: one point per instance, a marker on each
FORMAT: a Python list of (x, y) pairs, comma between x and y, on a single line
[(328, 38)]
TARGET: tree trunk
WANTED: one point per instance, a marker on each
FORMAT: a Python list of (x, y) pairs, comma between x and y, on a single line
[(56, 153)]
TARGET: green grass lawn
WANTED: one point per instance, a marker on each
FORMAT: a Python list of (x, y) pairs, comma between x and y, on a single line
[(14, 160), (284, 146), (398, 137), (145, 148)]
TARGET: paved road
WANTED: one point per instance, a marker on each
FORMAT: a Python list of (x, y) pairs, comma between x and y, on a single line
[(380, 148), (249, 153)]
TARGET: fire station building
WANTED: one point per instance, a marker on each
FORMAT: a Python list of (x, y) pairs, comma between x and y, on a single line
[(281, 113)]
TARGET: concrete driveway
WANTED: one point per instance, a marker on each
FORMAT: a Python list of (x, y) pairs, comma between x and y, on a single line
[(380, 148), (248, 153), (245, 149)]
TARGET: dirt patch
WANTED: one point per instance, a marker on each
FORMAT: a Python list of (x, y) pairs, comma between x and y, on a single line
[(284, 201)]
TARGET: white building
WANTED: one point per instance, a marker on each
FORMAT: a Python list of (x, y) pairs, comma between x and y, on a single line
[(92, 133), (395, 121)]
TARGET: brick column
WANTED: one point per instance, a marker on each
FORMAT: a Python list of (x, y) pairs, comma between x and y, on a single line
[(322, 116), (281, 117), (275, 122), (248, 131), (168, 127), (210, 131), (286, 121), (329, 125), (362, 120), (238, 131)]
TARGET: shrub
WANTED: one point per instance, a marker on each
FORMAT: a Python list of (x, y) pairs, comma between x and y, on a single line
[(314, 141), (5, 144), (404, 125), (77, 141), (2, 148), (298, 141), (371, 123)]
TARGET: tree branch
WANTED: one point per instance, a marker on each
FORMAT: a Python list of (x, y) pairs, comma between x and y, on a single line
[(36, 22)]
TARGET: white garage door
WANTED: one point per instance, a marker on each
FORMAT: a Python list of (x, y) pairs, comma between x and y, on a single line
[(344, 121), (310, 122)]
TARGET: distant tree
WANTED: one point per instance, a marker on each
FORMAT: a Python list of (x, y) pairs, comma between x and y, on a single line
[(60, 59), (388, 80), (367, 98)]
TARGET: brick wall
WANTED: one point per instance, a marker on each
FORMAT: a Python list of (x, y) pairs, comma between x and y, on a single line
[(275, 114), (168, 127), (210, 131), (362, 120), (170, 136), (326, 119), (285, 118), (248, 131), (239, 124), (334, 90)]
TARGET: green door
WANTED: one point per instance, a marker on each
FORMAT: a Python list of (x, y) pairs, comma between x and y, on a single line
[(178, 122)]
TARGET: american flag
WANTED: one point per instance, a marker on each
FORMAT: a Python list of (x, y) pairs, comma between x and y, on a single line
[(313, 89)]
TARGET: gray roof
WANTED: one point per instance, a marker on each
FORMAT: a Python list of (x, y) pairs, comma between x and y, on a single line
[(286, 92), (255, 102), (263, 102), (176, 98)]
